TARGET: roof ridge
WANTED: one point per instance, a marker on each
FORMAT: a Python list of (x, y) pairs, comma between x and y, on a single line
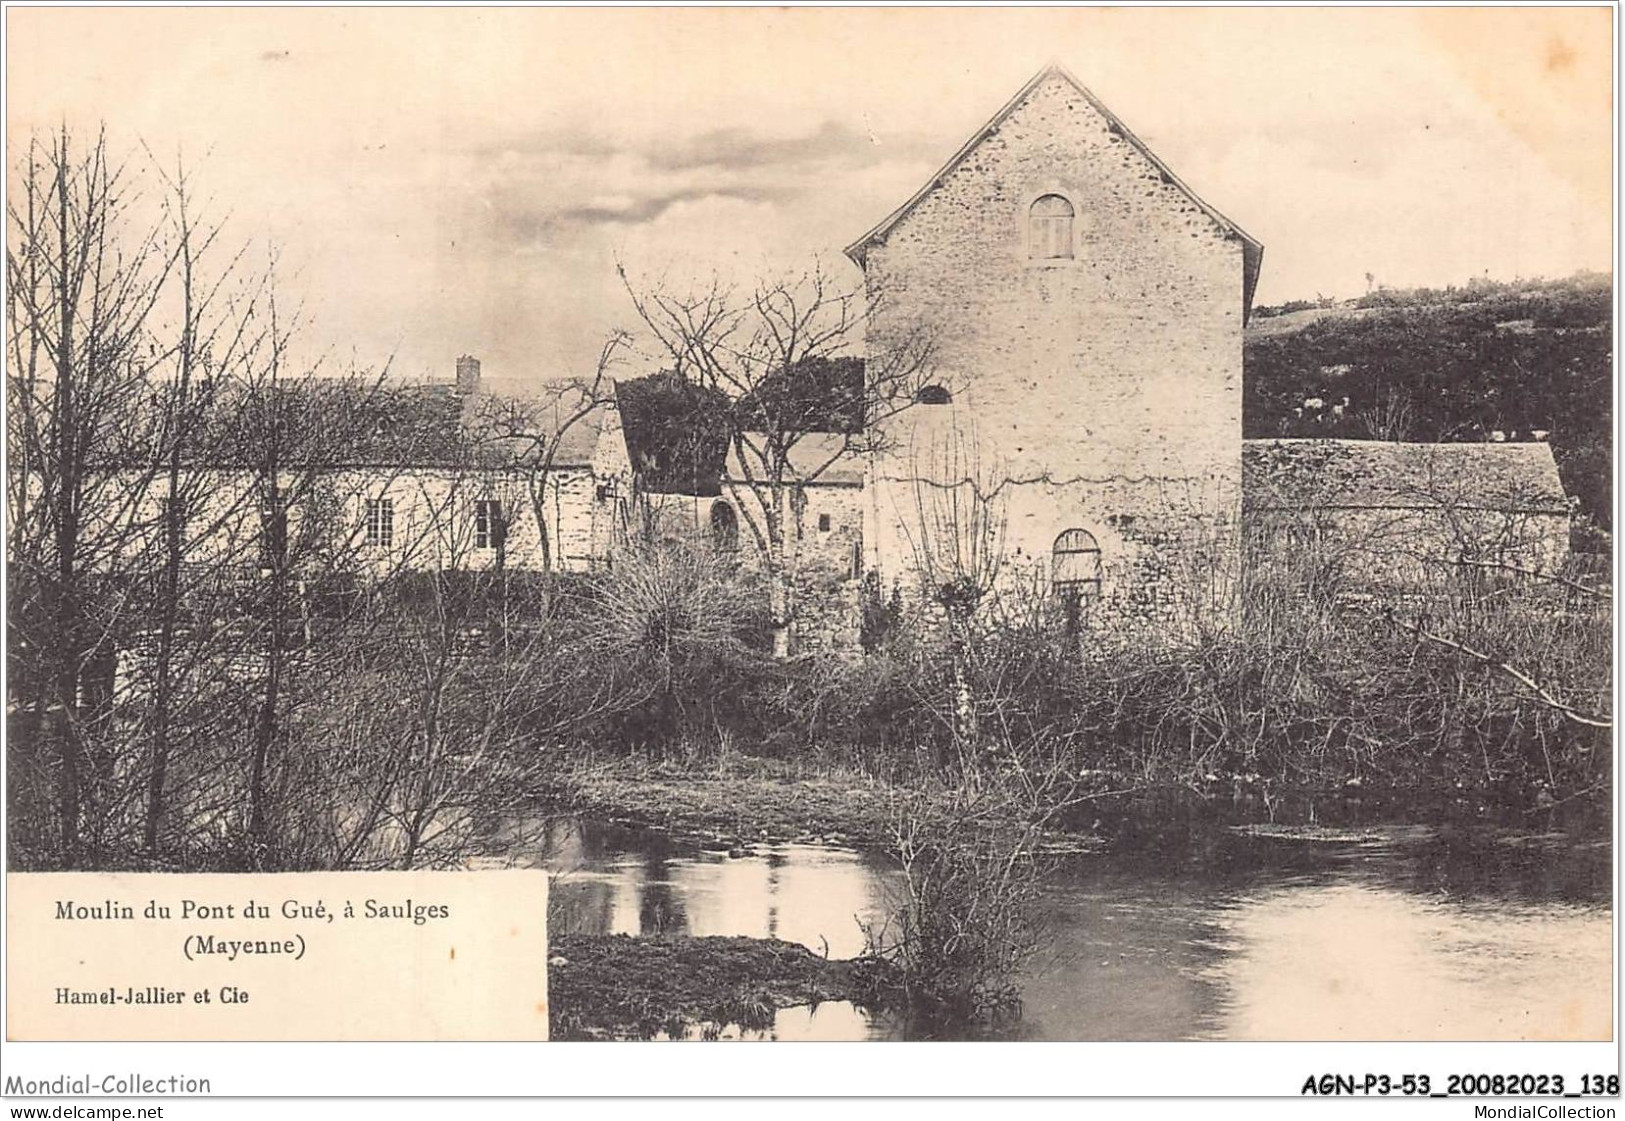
[(1396, 443), (1388, 473), (1254, 248)]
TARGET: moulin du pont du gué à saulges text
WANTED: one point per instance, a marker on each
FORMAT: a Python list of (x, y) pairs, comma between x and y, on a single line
[(285, 921)]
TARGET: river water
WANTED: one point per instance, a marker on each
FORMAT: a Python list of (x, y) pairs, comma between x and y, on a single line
[(1386, 933)]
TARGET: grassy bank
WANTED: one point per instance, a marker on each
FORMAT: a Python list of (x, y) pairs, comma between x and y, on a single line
[(740, 801), (617, 987), (731, 803)]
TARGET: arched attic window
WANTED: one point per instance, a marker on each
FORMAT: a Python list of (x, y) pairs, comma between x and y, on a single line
[(1049, 224), (933, 395), (724, 527)]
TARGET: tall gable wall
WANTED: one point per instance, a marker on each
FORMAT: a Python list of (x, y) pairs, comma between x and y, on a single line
[(1110, 381)]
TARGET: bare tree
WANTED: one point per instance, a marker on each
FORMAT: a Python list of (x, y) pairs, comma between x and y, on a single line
[(217, 328), (1392, 419), (205, 570), (315, 457), (957, 538), (760, 349), (421, 740), (957, 535), (83, 280), (528, 434)]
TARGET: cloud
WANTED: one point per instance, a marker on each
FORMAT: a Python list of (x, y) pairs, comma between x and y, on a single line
[(743, 148), (556, 183), (563, 141), (646, 207)]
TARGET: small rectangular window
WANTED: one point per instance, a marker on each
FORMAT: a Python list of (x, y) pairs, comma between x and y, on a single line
[(273, 533), (823, 523), (177, 509), (490, 524), (380, 521)]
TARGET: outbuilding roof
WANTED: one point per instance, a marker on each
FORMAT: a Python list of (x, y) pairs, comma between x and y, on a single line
[(1376, 474), (815, 459)]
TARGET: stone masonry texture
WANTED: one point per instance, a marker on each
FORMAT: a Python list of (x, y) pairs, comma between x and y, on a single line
[(1100, 392)]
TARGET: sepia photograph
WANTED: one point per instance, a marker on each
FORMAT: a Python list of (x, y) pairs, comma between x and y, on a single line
[(1067, 525)]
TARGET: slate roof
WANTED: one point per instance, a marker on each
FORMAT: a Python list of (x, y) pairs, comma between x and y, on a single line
[(480, 422), (1252, 248), (428, 425), (815, 451), (678, 434), (1374, 474)]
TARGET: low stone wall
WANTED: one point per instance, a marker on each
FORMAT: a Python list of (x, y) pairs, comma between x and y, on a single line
[(829, 552), (1377, 550)]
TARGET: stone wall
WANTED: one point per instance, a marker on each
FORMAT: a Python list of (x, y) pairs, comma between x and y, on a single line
[(1100, 392), (831, 524), (433, 517), (829, 560), (1369, 551)]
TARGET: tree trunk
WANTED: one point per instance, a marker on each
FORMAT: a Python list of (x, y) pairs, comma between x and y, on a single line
[(157, 778), (266, 723), (174, 547), (66, 607), (779, 610), (265, 734), (783, 534), (964, 700)]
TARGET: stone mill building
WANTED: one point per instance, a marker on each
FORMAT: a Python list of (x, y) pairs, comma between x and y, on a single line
[(1079, 435), (1087, 310)]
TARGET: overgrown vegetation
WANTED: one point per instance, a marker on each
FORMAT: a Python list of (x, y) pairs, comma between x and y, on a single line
[(965, 924), (616, 987)]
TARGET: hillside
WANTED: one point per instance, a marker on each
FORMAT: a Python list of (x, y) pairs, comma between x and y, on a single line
[(1528, 360)]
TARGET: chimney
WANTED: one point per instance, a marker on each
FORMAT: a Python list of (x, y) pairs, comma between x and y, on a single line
[(468, 375)]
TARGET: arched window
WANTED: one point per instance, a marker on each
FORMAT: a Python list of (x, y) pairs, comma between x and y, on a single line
[(1075, 574), (933, 395), (724, 527), (1075, 565), (1050, 228)]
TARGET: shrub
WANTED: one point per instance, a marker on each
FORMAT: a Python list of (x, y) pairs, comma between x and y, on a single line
[(965, 925), (678, 626)]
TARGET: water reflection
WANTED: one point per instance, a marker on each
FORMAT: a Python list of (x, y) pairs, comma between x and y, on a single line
[(1395, 934), (619, 883), (1352, 961)]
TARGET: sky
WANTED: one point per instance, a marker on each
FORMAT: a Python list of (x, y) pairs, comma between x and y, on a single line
[(438, 182)]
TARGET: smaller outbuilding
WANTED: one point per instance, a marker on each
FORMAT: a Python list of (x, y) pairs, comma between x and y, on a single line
[(1399, 515)]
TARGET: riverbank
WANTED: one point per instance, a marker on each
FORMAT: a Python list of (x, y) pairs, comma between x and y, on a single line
[(1221, 937), (741, 802), (618, 987), (732, 805)]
